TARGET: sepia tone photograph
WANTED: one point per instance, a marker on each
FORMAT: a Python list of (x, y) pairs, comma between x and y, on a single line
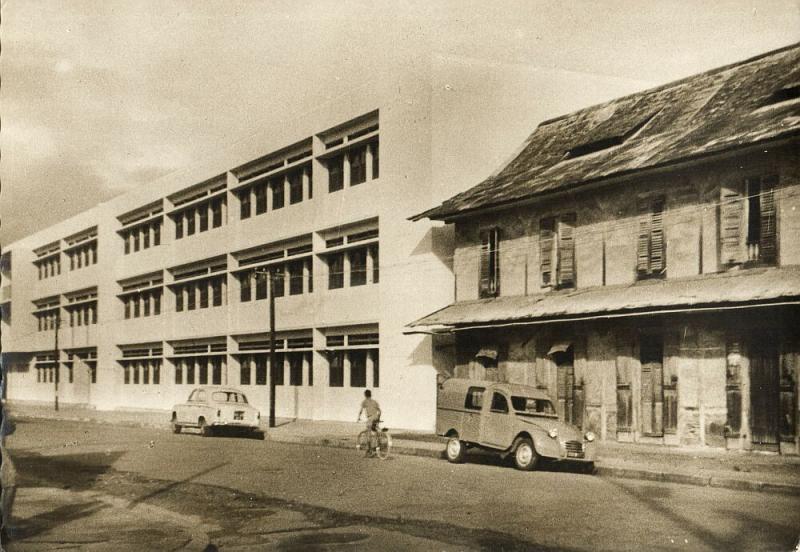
[(452, 276)]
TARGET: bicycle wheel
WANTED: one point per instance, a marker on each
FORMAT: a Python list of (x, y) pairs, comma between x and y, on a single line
[(384, 445), (362, 441)]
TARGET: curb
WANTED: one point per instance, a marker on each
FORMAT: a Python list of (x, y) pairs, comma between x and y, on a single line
[(600, 469)]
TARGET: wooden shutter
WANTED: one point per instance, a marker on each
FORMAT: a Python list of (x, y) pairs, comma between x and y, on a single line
[(566, 250), (489, 263), (731, 219), (643, 240), (546, 238), (658, 259), (768, 242)]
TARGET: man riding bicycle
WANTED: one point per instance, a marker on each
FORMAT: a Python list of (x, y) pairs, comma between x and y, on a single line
[(372, 411)]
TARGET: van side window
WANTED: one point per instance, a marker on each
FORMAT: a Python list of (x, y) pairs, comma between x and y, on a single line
[(499, 403), (474, 398)]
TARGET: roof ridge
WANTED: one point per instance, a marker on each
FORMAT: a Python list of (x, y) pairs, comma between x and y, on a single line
[(671, 84)]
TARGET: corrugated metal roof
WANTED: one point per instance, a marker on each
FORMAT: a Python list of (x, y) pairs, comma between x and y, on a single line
[(727, 288), (712, 112)]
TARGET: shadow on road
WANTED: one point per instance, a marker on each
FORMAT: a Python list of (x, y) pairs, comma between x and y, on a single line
[(72, 471), (169, 486)]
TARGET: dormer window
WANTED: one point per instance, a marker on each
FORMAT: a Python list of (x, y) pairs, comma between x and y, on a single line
[(608, 135)]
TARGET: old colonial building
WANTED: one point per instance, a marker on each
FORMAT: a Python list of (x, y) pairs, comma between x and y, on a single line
[(640, 261)]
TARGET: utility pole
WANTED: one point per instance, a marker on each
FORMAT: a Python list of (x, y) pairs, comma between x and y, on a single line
[(272, 355), (57, 374)]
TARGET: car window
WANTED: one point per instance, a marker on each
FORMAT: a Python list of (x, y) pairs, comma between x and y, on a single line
[(201, 396), (499, 403), (474, 398), (529, 405), (228, 396), (193, 395)]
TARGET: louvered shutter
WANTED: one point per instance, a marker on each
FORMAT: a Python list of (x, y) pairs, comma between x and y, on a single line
[(643, 240), (566, 250), (731, 219), (769, 217), (484, 284), (546, 239), (658, 260)]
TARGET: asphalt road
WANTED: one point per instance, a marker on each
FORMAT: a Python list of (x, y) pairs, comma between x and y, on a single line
[(251, 494)]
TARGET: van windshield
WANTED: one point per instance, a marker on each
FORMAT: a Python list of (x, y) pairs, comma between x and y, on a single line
[(527, 405)]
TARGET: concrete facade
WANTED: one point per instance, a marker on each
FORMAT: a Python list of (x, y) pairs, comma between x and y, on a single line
[(104, 276)]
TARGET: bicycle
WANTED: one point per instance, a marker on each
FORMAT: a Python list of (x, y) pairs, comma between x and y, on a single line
[(377, 439)]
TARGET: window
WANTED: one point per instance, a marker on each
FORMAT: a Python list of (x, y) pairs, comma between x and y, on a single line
[(373, 251), (358, 368), (277, 192), (203, 215), (375, 160), (244, 370), (179, 299), (336, 368), (358, 166), (295, 368), (279, 369), (474, 399), (376, 370), (748, 222), (203, 289), (358, 267), (262, 285), (216, 213), (489, 285), (261, 198), (190, 295), (245, 289), (296, 186), (156, 233), (261, 369), (651, 260), (277, 275), (179, 227), (244, 204), (190, 222), (336, 173), (499, 403), (296, 277), (336, 271), (557, 250), (216, 291)]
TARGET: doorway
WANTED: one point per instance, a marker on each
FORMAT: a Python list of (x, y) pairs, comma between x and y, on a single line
[(764, 394)]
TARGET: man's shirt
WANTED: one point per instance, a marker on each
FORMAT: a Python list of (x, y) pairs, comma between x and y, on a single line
[(371, 407)]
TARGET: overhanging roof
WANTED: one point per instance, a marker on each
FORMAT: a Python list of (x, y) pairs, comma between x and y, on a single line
[(749, 287), (732, 107)]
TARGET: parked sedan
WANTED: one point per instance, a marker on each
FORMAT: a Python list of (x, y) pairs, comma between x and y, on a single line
[(212, 408)]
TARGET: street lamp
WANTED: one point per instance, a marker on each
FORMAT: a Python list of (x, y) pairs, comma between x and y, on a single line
[(272, 360)]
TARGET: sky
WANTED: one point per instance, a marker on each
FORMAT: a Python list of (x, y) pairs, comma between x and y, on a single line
[(101, 97)]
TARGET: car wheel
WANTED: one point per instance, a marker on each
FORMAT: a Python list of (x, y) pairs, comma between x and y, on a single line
[(525, 456), (176, 428), (588, 468), (456, 449), (205, 429)]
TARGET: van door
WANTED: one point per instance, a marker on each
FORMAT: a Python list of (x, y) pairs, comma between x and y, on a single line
[(497, 422)]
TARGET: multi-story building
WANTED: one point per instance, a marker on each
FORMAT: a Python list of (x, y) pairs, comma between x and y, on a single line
[(135, 301), (640, 261)]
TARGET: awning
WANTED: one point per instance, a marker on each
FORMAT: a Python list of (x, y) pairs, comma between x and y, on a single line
[(749, 288), (560, 347), (487, 352)]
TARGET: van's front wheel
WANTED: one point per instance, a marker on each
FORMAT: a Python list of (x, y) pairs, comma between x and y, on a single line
[(455, 450), (525, 457)]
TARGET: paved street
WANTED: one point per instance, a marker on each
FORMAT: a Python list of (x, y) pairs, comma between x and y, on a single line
[(240, 494)]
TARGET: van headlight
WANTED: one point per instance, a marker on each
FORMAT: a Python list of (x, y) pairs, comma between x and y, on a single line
[(589, 436), (553, 433)]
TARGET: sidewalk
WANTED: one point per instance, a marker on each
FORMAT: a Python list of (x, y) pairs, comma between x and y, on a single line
[(704, 467)]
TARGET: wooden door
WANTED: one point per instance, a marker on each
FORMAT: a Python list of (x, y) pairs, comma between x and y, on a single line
[(651, 354), (764, 393)]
